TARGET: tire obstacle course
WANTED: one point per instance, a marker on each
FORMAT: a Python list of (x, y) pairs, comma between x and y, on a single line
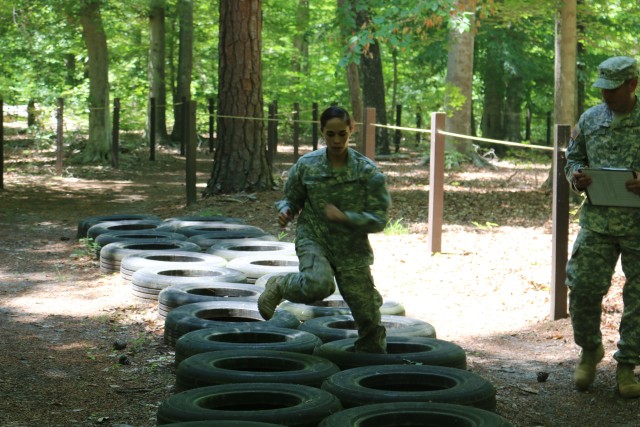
[(297, 369)]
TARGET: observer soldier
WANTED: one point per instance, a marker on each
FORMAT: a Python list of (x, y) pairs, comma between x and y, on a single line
[(339, 196), (607, 135)]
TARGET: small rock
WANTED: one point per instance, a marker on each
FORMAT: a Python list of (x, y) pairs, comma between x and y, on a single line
[(119, 345), (123, 359), (542, 376)]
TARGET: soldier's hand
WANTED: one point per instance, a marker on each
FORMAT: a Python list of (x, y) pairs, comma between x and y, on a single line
[(581, 180), (633, 185), (284, 216), (334, 214)]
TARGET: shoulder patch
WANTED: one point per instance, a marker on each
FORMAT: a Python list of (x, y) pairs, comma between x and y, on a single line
[(575, 132)]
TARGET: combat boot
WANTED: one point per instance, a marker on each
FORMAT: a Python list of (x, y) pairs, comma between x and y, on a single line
[(270, 298), (628, 385), (585, 372)]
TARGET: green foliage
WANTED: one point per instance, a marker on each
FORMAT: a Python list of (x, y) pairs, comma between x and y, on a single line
[(455, 159)]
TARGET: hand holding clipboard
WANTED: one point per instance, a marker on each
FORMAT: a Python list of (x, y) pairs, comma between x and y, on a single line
[(611, 187)]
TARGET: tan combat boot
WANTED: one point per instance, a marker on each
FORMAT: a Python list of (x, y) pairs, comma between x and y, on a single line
[(628, 385), (585, 372), (270, 298)]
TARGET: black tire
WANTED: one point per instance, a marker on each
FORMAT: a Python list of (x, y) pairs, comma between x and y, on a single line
[(258, 265), (250, 337), (134, 262), (206, 240), (189, 293), (332, 328), (117, 236), (418, 414), (86, 223), (125, 225), (335, 305), (183, 221), (152, 280), (400, 351), (202, 228), (220, 314), (294, 405), (223, 423), (111, 255), (253, 366), (231, 250), (410, 383)]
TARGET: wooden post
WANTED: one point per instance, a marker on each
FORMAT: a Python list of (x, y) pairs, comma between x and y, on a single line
[(296, 131), (115, 133), (560, 226), (1, 144), (314, 126), (419, 126), (152, 129), (398, 134), (59, 135), (271, 144), (369, 141), (212, 111), (436, 183), (191, 150)]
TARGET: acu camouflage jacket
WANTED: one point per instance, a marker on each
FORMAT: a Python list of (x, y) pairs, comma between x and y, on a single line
[(358, 189), (597, 142)]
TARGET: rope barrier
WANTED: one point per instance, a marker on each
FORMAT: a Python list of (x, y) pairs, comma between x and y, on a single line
[(497, 141)]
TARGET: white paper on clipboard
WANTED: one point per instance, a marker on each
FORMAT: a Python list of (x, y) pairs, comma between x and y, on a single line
[(607, 187)]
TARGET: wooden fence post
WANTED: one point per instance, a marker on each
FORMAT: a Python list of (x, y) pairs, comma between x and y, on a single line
[(560, 227), (152, 128), (1, 144), (369, 131), (191, 150), (271, 143), (296, 131), (115, 133), (397, 133), (212, 110), (59, 135), (436, 183), (314, 126)]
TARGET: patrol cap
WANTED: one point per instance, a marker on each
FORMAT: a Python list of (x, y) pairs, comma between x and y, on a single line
[(615, 71)]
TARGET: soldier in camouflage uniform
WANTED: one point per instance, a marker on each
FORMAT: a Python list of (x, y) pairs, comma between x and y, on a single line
[(606, 136), (340, 196)]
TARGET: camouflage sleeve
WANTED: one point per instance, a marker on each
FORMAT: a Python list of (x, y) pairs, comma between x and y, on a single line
[(375, 216), (576, 154), (294, 192)]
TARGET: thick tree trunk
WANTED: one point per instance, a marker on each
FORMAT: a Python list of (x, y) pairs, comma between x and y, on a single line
[(373, 88), (156, 74), (460, 78), (240, 162), (513, 122), (565, 94), (185, 64), (99, 145)]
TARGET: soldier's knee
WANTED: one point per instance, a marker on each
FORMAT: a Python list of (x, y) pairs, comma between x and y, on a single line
[(318, 288)]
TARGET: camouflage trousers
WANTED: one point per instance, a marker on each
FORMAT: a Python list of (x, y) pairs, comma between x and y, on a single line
[(315, 281), (589, 272)]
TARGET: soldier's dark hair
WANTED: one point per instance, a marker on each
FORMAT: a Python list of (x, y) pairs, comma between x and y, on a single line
[(335, 112)]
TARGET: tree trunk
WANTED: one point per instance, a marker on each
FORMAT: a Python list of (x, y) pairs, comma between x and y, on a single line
[(99, 144), (373, 82), (156, 72), (300, 60), (513, 122), (240, 162), (460, 77), (493, 104), (352, 69), (185, 65), (565, 67)]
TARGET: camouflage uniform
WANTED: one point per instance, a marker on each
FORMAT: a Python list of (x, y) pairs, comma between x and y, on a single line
[(327, 249), (606, 234)]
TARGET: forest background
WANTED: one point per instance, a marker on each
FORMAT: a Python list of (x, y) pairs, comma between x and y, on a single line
[(416, 54)]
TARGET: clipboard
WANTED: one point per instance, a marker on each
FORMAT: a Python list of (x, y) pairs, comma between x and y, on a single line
[(607, 187)]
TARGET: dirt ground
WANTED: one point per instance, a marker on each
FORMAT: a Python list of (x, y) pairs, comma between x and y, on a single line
[(488, 290)]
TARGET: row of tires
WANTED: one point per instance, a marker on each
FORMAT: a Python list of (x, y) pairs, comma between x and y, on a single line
[(297, 369)]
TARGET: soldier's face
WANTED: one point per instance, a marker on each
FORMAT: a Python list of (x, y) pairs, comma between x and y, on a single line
[(336, 134), (620, 99)]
